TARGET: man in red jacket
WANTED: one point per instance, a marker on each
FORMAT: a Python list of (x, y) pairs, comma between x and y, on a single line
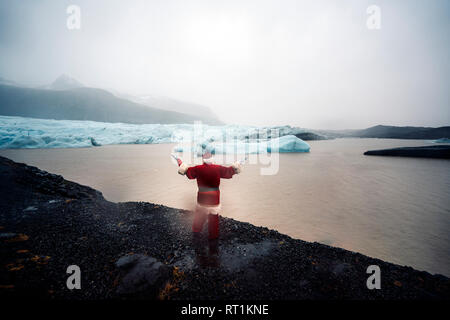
[(208, 177)]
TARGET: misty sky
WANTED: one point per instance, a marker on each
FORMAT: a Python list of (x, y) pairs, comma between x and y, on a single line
[(313, 64)]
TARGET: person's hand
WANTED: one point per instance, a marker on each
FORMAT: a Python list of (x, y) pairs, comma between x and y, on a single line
[(237, 167), (179, 161)]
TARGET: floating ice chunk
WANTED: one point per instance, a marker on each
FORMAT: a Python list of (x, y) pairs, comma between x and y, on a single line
[(288, 143), (441, 140), (282, 144)]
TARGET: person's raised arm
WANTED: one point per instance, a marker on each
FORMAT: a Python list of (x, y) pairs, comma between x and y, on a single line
[(228, 172), (184, 169)]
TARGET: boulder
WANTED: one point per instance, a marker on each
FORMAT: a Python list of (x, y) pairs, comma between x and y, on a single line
[(141, 274)]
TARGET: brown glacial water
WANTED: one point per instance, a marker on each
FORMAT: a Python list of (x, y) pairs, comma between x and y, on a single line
[(395, 209)]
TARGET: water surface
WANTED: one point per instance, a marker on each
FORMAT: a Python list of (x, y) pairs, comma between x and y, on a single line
[(395, 209)]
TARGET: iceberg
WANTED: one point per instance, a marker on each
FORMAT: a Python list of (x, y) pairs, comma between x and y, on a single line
[(288, 143), (21, 132)]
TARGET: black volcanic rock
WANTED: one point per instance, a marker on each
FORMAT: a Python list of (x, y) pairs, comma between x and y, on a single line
[(438, 151), (141, 274)]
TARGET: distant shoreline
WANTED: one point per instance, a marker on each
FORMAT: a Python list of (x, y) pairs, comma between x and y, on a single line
[(437, 151)]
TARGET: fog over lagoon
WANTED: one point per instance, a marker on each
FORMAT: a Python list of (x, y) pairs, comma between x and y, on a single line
[(313, 64)]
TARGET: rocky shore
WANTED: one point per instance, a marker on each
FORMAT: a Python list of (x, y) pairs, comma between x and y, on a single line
[(438, 152), (144, 250)]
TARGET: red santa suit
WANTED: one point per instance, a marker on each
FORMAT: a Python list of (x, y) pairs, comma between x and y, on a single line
[(208, 177)]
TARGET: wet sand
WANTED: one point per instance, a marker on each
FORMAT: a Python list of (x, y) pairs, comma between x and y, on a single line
[(395, 209)]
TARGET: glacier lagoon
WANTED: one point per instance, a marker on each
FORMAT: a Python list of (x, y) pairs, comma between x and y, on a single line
[(21, 132), (334, 195), (395, 209)]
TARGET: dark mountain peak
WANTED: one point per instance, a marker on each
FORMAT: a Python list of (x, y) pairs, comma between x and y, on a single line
[(65, 82)]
